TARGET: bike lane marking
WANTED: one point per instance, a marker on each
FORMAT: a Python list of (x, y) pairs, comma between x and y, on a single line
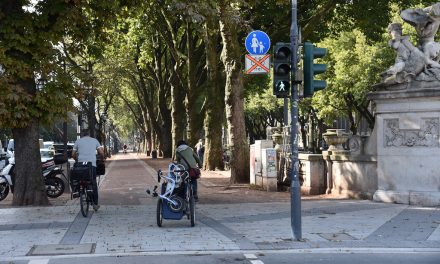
[(79, 225), (77, 229)]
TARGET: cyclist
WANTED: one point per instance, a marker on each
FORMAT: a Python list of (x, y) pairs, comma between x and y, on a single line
[(185, 155), (84, 150)]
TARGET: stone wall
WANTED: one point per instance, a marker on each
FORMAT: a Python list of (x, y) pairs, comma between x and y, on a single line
[(351, 175)]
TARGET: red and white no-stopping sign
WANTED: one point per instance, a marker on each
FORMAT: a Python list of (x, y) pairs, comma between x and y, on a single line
[(257, 64)]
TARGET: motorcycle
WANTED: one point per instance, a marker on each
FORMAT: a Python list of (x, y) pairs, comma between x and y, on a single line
[(54, 185)]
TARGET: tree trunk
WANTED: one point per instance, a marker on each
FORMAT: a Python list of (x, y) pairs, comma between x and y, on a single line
[(91, 118), (29, 187), (214, 118), (165, 138), (234, 94), (191, 95), (177, 107)]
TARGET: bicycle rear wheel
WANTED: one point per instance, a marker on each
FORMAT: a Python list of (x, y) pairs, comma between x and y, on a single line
[(192, 208), (159, 212), (84, 202)]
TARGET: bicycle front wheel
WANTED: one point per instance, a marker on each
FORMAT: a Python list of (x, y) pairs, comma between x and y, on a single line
[(84, 203), (159, 213)]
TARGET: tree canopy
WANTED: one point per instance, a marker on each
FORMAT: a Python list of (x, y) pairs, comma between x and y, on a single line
[(167, 70)]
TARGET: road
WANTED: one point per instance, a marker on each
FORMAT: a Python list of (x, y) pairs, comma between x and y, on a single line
[(262, 257)]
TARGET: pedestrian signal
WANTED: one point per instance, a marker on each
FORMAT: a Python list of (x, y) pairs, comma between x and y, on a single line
[(282, 69)]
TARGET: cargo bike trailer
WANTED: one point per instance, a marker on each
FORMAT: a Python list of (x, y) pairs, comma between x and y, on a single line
[(176, 198)]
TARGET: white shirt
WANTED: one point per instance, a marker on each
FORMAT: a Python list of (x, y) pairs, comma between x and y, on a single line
[(86, 148)]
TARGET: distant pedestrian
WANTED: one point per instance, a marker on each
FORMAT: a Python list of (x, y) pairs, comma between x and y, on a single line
[(200, 149)]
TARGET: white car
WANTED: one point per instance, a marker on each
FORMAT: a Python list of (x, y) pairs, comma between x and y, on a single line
[(48, 144), (46, 154)]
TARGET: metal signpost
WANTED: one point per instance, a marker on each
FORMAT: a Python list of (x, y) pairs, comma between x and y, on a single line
[(295, 187), (258, 44)]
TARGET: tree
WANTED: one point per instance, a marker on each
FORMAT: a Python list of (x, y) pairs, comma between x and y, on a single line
[(354, 66), (215, 104), (26, 52), (234, 91), (262, 109), (30, 33)]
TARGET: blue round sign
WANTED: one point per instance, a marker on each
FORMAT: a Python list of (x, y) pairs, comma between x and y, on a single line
[(257, 43)]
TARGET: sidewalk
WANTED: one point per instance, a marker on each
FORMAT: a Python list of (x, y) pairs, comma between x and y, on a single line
[(227, 219)]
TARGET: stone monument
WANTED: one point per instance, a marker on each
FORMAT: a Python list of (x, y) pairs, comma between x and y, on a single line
[(407, 108)]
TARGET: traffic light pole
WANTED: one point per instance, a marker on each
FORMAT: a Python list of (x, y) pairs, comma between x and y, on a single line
[(295, 188)]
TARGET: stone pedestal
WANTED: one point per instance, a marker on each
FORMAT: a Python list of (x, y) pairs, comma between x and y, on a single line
[(350, 175), (408, 145), (312, 170)]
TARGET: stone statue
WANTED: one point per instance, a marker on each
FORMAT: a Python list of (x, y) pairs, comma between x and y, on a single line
[(412, 63)]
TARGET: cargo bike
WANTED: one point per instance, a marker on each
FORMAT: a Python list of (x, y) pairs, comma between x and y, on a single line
[(176, 198)]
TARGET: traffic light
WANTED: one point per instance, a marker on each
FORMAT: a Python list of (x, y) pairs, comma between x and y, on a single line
[(281, 69), (311, 69)]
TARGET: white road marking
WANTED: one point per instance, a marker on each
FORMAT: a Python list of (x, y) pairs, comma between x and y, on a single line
[(250, 256), (257, 262), (39, 261)]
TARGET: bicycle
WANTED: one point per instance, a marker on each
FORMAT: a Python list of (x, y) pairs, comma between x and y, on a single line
[(81, 181), (176, 198)]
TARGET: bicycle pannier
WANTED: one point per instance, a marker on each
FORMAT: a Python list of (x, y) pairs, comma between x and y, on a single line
[(80, 171), (100, 167), (194, 173)]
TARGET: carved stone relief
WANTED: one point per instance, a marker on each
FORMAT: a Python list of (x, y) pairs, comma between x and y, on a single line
[(426, 136)]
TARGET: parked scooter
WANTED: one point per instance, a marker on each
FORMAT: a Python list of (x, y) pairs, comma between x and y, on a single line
[(54, 184), (6, 176)]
